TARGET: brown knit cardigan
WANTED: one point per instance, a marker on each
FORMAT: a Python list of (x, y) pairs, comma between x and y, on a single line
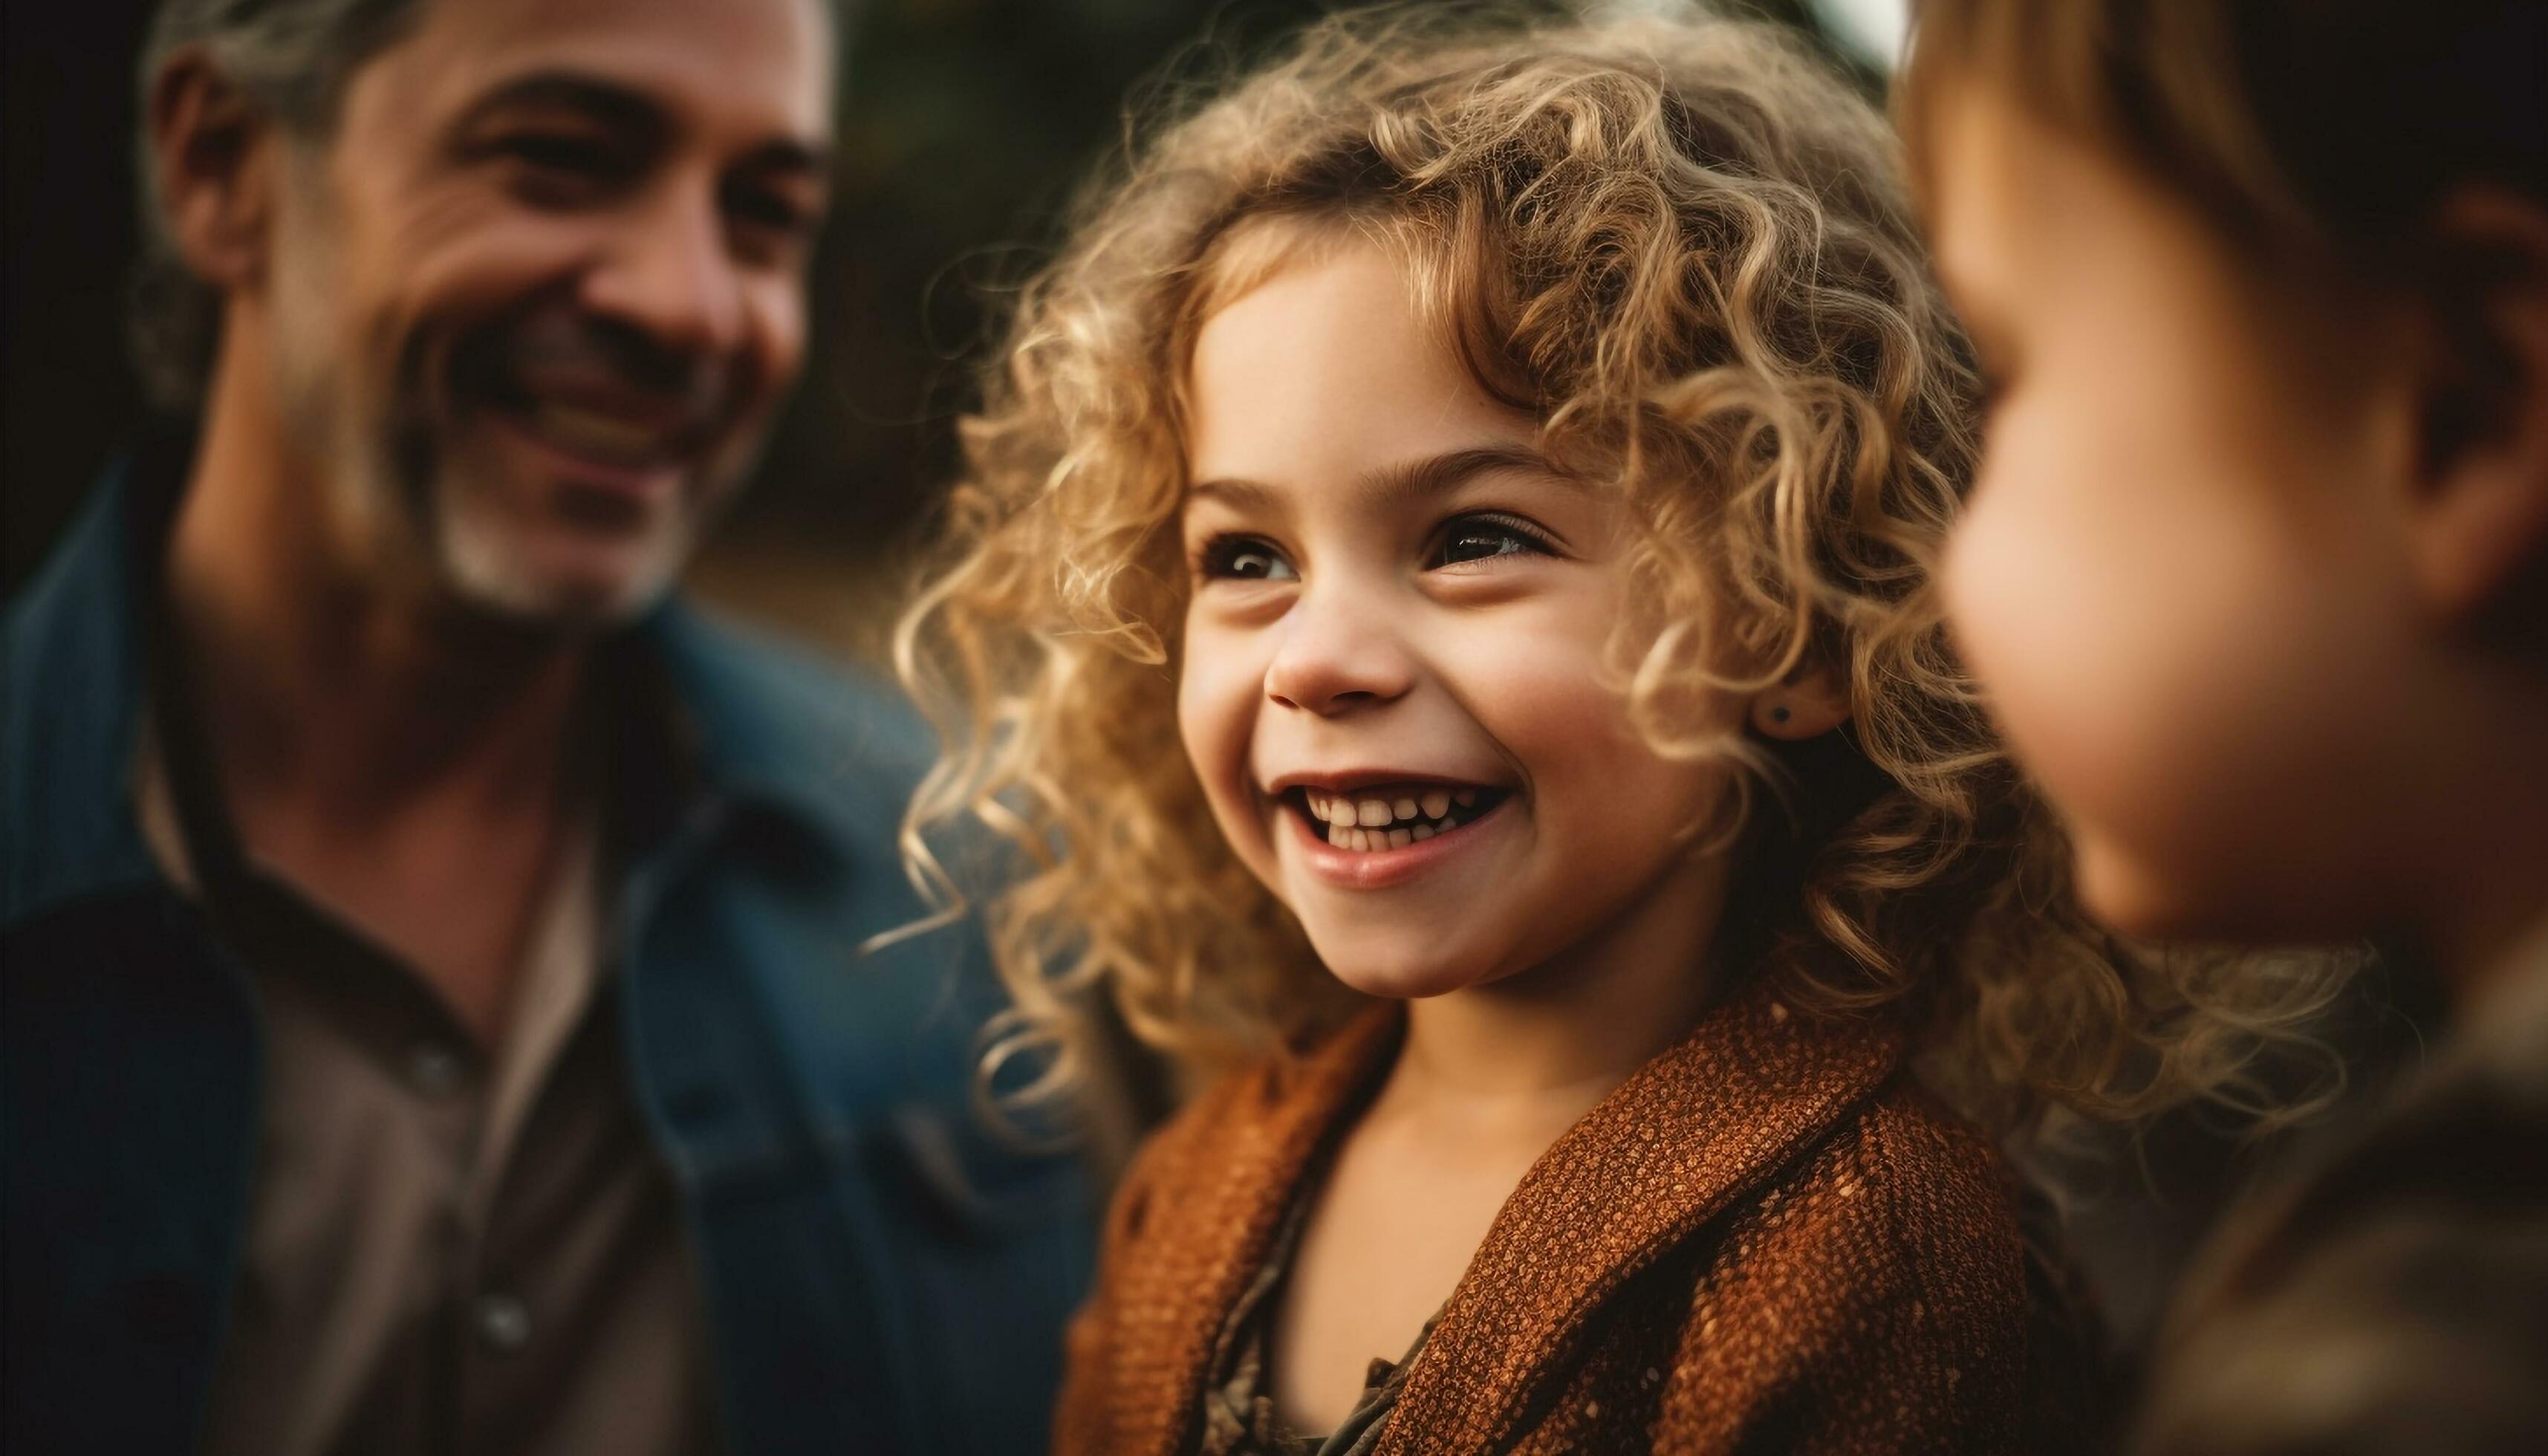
[(1764, 1240)]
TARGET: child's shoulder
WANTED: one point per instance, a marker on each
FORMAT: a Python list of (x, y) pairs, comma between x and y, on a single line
[(1905, 1214), (1900, 1184), (1878, 1279), (1816, 1117), (1924, 1162)]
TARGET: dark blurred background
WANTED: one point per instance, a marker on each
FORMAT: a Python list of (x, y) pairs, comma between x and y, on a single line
[(967, 125)]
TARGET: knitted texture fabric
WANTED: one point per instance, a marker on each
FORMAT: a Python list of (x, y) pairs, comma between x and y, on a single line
[(1767, 1239)]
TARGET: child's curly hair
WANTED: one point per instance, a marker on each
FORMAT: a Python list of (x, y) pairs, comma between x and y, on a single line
[(1684, 247)]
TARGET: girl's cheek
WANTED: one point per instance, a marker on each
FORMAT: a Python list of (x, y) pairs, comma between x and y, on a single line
[(1217, 689), (1202, 702), (1535, 679)]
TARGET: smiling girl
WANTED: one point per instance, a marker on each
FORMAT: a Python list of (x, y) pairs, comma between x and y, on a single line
[(1445, 561)]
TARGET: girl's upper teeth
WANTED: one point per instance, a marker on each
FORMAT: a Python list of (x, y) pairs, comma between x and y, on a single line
[(1406, 807)]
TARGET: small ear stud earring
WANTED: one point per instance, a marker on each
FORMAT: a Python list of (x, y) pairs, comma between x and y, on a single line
[(1780, 715)]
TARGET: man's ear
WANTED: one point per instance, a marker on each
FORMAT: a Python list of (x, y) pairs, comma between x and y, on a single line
[(1808, 704), (212, 167), (2477, 520)]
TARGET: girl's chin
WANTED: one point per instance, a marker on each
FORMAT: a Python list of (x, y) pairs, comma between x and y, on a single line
[(1392, 979)]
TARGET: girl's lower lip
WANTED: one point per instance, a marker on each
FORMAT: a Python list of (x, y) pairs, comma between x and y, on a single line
[(1380, 870)]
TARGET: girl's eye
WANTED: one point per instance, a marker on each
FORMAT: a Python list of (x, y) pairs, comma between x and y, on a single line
[(1474, 538), (1242, 559)]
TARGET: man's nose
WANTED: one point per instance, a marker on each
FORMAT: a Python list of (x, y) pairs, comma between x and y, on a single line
[(1339, 651), (670, 276)]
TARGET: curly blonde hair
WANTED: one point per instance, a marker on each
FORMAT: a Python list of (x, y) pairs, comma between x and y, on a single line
[(1683, 246)]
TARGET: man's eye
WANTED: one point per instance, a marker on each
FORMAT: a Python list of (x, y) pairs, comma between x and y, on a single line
[(1242, 559), (1472, 538), (556, 151), (768, 210), (770, 221)]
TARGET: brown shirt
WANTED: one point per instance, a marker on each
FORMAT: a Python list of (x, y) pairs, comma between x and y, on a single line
[(449, 1249), (1238, 1418), (1766, 1239)]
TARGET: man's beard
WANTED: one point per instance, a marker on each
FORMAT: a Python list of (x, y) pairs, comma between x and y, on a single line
[(427, 518), (480, 560)]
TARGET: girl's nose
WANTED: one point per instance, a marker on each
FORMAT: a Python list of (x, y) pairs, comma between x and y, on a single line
[(1337, 653)]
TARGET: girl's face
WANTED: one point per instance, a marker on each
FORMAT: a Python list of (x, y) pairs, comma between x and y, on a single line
[(1391, 686)]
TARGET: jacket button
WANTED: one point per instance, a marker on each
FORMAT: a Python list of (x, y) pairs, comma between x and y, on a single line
[(504, 1323)]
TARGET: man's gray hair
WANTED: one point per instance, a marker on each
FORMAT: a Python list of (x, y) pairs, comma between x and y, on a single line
[(293, 58)]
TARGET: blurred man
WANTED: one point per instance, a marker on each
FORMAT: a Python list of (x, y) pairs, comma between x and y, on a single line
[(434, 1020)]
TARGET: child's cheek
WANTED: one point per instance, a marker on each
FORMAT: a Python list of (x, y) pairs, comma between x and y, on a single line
[(2170, 667), (2087, 671), (1220, 688), (1598, 791)]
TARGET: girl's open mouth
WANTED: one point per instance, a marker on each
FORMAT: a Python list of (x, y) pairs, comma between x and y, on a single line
[(1382, 817)]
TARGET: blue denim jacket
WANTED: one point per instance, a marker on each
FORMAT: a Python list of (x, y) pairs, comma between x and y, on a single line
[(881, 1273)]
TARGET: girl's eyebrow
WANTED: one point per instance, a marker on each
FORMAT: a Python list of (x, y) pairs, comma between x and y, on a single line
[(1392, 486), (1244, 496)]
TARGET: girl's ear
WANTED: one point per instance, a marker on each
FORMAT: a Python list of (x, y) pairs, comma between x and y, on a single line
[(210, 170), (1809, 703), (2475, 523)]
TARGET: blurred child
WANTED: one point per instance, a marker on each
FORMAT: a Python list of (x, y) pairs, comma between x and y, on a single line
[(2258, 576), (1443, 590)]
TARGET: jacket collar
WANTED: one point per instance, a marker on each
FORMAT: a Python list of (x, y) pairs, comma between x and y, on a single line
[(1694, 1131), (1233, 1166), (75, 686), (71, 714), (760, 733), (1684, 1139)]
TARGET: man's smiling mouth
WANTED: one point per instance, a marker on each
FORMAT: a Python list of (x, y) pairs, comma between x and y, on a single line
[(580, 408), (603, 437), (634, 442), (1381, 817)]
